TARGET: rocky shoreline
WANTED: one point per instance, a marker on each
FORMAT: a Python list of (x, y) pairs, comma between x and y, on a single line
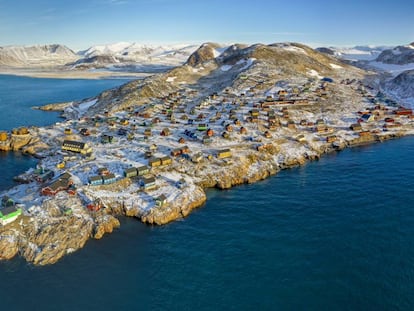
[(151, 147), (45, 240)]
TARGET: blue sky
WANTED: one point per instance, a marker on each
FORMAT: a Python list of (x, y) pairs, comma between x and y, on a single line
[(80, 24)]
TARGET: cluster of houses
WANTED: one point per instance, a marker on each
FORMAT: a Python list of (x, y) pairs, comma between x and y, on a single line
[(104, 177), (188, 127)]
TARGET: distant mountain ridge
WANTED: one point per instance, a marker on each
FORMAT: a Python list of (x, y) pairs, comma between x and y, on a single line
[(122, 55), (355, 53), (36, 56), (400, 55)]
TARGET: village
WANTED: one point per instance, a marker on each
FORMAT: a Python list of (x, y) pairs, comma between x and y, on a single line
[(154, 151), (150, 148)]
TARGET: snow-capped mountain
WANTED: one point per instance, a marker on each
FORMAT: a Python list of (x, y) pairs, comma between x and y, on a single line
[(124, 53), (356, 53), (400, 55), (35, 56), (401, 87)]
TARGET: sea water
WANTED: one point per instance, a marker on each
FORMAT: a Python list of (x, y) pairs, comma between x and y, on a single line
[(335, 234), (17, 97)]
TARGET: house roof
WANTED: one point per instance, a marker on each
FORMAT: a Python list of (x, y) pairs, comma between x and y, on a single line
[(95, 178), (7, 210), (79, 144), (109, 176)]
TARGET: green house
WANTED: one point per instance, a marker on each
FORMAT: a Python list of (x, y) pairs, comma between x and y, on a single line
[(202, 127), (9, 214)]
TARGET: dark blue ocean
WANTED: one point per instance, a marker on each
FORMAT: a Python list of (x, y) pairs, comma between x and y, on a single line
[(336, 234)]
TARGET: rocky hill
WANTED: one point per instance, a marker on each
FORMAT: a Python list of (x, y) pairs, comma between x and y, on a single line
[(401, 87), (213, 69), (400, 55), (36, 56), (126, 55)]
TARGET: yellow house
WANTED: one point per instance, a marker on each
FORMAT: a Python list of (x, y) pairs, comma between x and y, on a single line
[(225, 153)]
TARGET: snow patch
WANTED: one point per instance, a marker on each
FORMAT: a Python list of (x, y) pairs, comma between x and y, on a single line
[(296, 49), (334, 66), (248, 62), (171, 79), (392, 68), (314, 73), (225, 67)]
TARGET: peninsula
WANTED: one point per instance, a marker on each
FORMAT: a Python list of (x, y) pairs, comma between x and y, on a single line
[(150, 148)]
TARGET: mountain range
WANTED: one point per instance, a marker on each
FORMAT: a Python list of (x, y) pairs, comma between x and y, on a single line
[(116, 56), (394, 64)]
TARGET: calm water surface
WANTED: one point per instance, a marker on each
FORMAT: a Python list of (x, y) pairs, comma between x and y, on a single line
[(336, 234), (19, 94)]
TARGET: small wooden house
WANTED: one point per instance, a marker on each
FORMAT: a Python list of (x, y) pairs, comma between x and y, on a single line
[(229, 128), (76, 146), (142, 170), (202, 127), (95, 180), (185, 150), (300, 138), (176, 152), (148, 183), (44, 176), (154, 162), (63, 182), (67, 131), (402, 111), (223, 154), (267, 134), (165, 132), (181, 140), (210, 132), (356, 127), (166, 160), (197, 157), (85, 132), (147, 132), (161, 200), (130, 172), (107, 139), (108, 179), (225, 135), (331, 139), (367, 118), (207, 140), (291, 125), (9, 214), (124, 122), (243, 130), (254, 113)]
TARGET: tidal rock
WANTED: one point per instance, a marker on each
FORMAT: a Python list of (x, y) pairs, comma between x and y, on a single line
[(8, 244), (105, 224)]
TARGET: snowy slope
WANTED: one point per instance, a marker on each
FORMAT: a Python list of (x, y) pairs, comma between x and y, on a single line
[(124, 52), (355, 53), (400, 55), (38, 55)]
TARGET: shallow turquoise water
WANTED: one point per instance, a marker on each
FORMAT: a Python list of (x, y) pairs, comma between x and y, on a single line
[(336, 234)]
